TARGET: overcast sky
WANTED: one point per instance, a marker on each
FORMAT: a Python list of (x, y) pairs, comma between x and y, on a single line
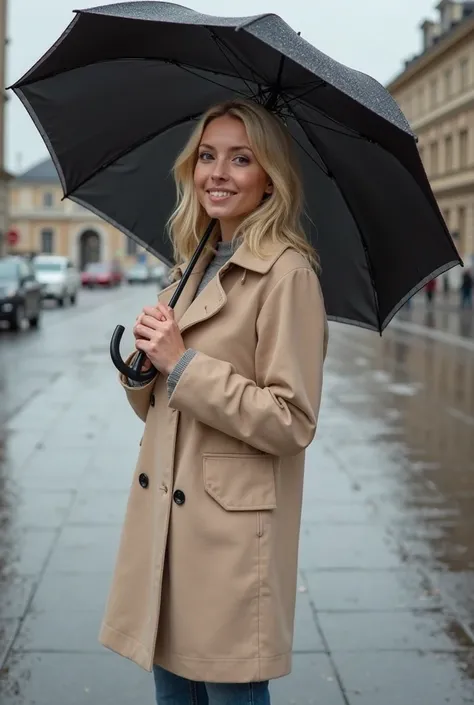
[(373, 36)]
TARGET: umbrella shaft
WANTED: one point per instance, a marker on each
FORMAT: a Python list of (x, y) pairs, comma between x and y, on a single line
[(141, 357)]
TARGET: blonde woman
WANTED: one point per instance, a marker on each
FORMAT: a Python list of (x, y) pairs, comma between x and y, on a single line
[(205, 582)]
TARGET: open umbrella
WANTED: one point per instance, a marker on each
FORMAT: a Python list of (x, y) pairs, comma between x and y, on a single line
[(117, 95)]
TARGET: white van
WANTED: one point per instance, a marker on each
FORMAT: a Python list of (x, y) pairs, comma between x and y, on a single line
[(60, 279)]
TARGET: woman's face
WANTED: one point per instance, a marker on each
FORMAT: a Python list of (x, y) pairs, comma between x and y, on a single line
[(229, 181)]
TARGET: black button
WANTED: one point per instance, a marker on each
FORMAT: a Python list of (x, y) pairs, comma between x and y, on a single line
[(143, 480), (152, 400), (179, 497)]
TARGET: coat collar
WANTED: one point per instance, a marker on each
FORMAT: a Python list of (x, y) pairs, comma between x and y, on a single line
[(190, 309), (244, 258)]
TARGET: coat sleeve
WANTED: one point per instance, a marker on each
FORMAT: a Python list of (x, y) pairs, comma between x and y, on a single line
[(138, 397), (277, 414)]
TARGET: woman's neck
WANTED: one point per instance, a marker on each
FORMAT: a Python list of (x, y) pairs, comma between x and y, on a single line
[(228, 228)]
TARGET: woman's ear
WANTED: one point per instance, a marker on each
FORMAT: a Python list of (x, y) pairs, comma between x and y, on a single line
[(269, 188)]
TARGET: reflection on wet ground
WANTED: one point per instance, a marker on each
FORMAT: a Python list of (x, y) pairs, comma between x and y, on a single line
[(420, 394), (444, 316)]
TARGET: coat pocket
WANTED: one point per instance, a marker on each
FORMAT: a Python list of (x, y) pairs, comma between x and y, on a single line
[(240, 482)]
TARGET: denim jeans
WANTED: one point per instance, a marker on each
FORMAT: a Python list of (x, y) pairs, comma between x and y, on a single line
[(175, 690)]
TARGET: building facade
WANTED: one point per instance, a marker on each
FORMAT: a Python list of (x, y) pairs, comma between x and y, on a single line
[(49, 225), (4, 176), (436, 92)]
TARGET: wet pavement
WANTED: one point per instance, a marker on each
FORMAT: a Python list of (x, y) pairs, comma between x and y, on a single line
[(444, 321), (385, 606)]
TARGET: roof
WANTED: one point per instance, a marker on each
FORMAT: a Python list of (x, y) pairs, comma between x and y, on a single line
[(466, 20), (42, 173)]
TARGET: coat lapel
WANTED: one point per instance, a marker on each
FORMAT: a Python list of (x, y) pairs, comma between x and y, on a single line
[(209, 302)]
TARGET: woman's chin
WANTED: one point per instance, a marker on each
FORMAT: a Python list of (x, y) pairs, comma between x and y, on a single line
[(219, 212)]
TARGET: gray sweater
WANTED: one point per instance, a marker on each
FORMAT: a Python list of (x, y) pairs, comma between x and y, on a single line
[(225, 250)]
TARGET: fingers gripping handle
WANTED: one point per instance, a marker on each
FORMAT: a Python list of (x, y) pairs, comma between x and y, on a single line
[(132, 372)]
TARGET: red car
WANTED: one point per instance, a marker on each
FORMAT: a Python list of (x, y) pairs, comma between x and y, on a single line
[(101, 274)]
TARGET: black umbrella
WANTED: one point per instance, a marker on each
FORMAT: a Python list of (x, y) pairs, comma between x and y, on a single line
[(117, 96)]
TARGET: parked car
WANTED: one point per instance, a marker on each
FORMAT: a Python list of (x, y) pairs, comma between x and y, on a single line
[(20, 292), (138, 274), (60, 278), (102, 274)]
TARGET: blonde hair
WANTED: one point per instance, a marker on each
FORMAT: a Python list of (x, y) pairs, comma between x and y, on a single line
[(277, 219)]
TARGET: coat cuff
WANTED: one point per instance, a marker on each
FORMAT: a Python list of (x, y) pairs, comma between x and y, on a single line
[(177, 371)]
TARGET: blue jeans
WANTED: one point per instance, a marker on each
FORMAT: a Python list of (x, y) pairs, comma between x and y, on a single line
[(175, 690)]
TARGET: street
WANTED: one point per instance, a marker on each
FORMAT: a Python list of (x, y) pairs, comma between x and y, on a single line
[(385, 604)]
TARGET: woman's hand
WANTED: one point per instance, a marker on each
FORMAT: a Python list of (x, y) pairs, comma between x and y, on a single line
[(157, 334)]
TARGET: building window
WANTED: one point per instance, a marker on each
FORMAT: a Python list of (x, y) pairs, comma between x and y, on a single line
[(132, 247), (463, 149), (461, 226), (47, 199), (464, 71), (448, 83), (421, 101), (47, 241), (448, 153), (434, 161), (434, 92)]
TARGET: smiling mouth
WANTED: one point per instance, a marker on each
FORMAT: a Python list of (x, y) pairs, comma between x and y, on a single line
[(219, 195)]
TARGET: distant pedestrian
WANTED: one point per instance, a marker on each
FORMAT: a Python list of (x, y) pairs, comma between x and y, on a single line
[(430, 291), (466, 289)]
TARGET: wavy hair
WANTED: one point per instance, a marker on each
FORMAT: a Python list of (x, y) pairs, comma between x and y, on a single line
[(278, 217)]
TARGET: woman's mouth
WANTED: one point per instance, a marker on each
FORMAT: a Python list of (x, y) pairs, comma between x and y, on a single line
[(216, 195)]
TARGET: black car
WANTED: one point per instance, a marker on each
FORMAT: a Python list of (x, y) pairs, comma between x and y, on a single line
[(20, 292)]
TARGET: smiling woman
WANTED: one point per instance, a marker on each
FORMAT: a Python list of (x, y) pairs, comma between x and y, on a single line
[(239, 155), (228, 417)]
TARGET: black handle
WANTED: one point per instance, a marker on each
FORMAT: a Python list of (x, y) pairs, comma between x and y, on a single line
[(134, 371)]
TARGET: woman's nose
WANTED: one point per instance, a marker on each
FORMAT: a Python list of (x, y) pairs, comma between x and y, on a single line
[(219, 171)]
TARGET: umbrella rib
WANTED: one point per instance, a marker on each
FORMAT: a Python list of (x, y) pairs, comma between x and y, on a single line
[(349, 207), (209, 80), (308, 154), (257, 77), (352, 133), (349, 132), (318, 84), (219, 44)]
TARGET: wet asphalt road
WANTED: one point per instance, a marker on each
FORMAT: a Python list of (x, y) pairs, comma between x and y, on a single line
[(385, 609)]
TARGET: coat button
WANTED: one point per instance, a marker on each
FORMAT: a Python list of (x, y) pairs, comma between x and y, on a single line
[(152, 400), (179, 497), (143, 480)]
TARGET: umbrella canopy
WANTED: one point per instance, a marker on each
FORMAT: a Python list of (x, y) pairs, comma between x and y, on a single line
[(118, 94)]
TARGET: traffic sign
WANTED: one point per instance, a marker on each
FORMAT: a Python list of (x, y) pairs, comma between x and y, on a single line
[(13, 237)]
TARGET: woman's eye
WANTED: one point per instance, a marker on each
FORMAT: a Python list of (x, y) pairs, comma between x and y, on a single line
[(205, 156), (242, 160)]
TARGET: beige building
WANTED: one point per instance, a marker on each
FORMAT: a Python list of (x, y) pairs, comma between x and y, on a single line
[(4, 176), (436, 93), (47, 224)]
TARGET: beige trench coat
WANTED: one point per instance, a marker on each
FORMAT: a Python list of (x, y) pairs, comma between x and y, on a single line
[(206, 587)]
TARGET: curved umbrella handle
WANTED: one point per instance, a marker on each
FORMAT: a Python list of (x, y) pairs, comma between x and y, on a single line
[(134, 371)]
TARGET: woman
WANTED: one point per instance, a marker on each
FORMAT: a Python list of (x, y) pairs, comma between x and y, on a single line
[(205, 582)]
